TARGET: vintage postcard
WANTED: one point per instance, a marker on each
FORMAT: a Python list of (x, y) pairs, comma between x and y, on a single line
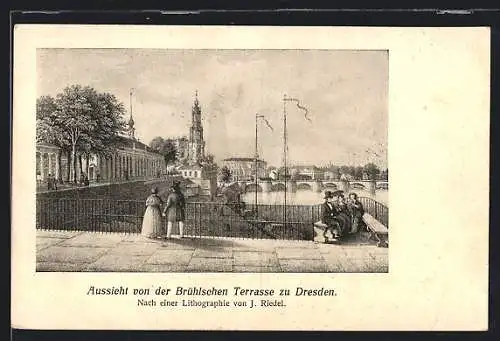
[(238, 178)]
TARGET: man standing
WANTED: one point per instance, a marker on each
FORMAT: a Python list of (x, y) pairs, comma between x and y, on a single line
[(175, 209)]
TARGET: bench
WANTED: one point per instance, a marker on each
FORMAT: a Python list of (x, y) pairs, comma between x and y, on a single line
[(377, 230)]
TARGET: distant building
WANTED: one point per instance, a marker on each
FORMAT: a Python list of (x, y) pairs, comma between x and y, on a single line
[(206, 180), (191, 172), (311, 172), (330, 175), (243, 168)]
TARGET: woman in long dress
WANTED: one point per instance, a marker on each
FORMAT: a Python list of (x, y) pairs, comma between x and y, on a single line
[(174, 210), (343, 216), (151, 223)]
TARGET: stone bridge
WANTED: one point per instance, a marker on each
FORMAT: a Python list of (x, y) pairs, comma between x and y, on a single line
[(311, 185)]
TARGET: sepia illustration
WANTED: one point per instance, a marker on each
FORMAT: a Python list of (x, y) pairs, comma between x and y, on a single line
[(172, 160)]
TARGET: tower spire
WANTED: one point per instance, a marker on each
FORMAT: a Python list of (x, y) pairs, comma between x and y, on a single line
[(196, 142), (131, 123)]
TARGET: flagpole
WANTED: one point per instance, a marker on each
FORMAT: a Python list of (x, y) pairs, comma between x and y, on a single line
[(256, 156), (284, 156)]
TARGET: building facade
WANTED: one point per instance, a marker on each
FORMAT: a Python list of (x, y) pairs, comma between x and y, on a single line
[(191, 172), (309, 172), (131, 159), (196, 143), (243, 168)]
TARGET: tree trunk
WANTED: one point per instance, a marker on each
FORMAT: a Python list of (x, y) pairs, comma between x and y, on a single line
[(68, 166), (59, 166), (87, 161), (74, 160), (80, 164)]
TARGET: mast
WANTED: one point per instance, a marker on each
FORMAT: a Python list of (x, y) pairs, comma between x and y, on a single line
[(284, 156), (130, 102), (256, 163)]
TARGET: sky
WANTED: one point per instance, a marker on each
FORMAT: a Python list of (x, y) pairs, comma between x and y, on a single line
[(345, 93)]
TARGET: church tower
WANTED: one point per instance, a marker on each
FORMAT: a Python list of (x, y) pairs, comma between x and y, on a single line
[(196, 144)]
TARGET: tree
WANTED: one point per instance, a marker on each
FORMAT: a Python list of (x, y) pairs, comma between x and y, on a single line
[(156, 143), (49, 130), (372, 170), (165, 147), (358, 173), (344, 169), (208, 163), (225, 174), (108, 112), (352, 171), (74, 110), (79, 121)]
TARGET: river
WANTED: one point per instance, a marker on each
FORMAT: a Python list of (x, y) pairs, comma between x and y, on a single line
[(306, 197)]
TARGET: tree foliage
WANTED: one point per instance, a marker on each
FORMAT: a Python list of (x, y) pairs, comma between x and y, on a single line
[(372, 170), (165, 147), (225, 174), (81, 120), (48, 128), (208, 163)]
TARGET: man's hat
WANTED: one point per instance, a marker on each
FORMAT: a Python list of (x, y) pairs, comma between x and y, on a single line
[(328, 194), (338, 193)]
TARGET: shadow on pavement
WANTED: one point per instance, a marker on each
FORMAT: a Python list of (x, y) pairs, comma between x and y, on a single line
[(203, 243), (357, 239)]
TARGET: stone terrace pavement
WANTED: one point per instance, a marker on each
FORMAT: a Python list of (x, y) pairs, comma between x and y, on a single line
[(65, 251)]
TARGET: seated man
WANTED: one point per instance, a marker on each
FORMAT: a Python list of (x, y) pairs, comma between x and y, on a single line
[(329, 217), (343, 217)]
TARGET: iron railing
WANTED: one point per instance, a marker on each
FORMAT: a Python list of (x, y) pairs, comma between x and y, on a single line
[(202, 218), (376, 210)]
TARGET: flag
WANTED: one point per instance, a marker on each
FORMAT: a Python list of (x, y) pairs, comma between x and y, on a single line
[(268, 124), (297, 102), (266, 121)]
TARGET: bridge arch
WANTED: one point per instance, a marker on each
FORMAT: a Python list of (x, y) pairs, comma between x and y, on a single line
[(304, 187), (330, 185), (253, 188), (278, 187), (383, 185), (357, 185)]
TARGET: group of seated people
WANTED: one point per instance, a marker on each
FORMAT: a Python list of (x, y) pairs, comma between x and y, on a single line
[(340, 217)]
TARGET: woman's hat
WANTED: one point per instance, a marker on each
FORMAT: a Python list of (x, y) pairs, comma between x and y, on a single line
[(328, 194), (154, 190)]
